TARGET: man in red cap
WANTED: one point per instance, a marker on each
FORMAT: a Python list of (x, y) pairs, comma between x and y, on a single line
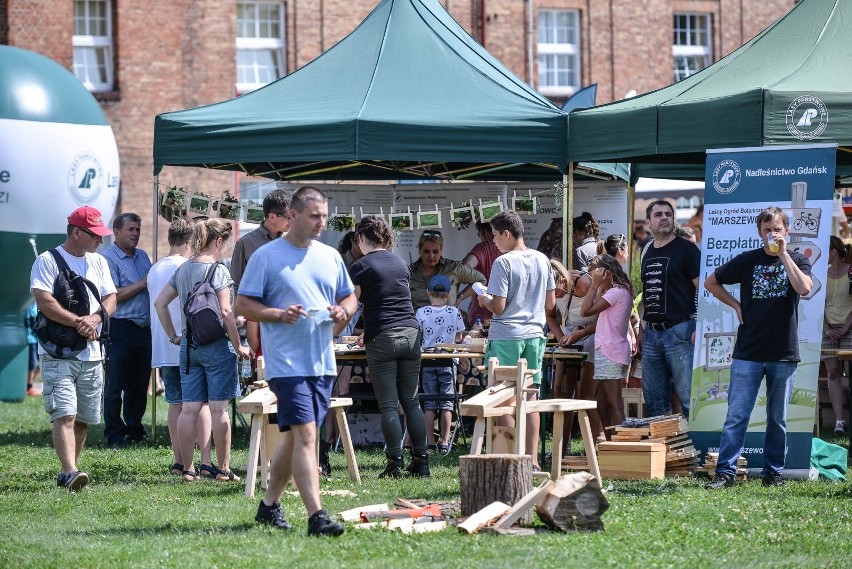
[(73, 386)]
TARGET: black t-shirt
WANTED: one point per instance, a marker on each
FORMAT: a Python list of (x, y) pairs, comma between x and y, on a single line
[(769, 332), (668, 291), (383, 278)]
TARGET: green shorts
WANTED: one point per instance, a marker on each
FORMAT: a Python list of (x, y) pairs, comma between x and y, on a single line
[(508, 352)]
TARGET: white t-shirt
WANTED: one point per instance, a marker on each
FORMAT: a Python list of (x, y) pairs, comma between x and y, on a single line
[(163, 352), (91, 266), (440, 324)]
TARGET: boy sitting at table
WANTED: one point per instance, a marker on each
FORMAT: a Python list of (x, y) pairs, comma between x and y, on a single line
[(441, 324)]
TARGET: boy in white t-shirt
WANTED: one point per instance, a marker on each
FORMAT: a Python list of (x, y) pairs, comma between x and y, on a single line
[(441, 324)]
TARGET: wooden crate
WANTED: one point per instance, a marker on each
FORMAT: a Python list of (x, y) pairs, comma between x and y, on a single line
[(623, 460)]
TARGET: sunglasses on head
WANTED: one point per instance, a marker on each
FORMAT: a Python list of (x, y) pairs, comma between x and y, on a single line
[(432, 233), (622, 241)]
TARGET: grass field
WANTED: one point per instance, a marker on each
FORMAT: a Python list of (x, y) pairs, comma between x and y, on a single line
[(134, 514)]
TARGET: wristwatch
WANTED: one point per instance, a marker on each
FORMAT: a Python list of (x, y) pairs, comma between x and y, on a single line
[(173, 338)]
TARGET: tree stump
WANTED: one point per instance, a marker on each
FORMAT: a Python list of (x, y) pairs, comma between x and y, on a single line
[(494, 478)]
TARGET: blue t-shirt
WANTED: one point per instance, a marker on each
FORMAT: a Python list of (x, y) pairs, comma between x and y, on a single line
[(280, 274)]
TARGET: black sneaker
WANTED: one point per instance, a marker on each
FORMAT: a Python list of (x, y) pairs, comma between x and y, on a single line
[(419, 466), (773, 479), (73, 481), (271, 516), (321, 524), (720, 481), (393, 468)]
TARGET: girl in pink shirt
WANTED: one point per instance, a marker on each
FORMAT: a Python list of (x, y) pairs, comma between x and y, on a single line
[(611, 298)]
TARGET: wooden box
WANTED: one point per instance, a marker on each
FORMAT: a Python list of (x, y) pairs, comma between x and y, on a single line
[(624, 461)]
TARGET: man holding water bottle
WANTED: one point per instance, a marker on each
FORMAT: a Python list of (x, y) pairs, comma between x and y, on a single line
[(771, 281)]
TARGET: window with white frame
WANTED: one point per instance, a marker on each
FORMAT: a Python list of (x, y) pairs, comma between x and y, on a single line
[(92, 41), (260, 44), (558, 52), (692, 46)]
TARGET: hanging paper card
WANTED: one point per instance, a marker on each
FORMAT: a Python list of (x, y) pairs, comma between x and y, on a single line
[(228, 207), (462, 216), (200, 203), (524, 205), (175, 198), (488, 210), (254, 212), (381, 215), (341, 221), (402, 221), (429, 219)]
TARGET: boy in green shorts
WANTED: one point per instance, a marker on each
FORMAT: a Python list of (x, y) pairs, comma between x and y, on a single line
[(519, 292)]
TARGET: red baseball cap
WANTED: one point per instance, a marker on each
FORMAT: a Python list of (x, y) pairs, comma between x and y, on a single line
[(89, 218)]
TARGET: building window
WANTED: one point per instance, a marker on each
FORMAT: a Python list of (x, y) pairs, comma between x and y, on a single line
[(260, 44), (92, 40), (558, 52), (692, 48)]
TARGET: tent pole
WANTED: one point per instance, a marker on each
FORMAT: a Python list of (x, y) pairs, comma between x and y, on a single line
[(568, 216), (155, 227), (631, 220)]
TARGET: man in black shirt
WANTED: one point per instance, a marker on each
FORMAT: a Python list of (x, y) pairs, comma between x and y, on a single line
[(771, 281), (670, 268)]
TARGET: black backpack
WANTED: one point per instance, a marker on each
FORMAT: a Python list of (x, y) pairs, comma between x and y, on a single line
[(204, 322), (71, 292)]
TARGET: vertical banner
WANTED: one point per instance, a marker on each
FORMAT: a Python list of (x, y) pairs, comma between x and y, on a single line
[(740, 184)]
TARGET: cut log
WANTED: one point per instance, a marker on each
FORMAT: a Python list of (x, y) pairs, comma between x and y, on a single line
[(354, 515), (484, 479), (532, 499), (484, 517), (575, 502)]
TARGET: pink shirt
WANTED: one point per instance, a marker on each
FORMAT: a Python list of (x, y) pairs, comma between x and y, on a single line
[(611, 335)]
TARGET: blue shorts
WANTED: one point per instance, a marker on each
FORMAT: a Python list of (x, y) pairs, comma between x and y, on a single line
[(438, 381), (171, 383), (33, 360), (212, 374), (301, 400)]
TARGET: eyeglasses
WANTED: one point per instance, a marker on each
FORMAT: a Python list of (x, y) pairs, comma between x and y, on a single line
[(281, 214), (431, 233), (92, 235)]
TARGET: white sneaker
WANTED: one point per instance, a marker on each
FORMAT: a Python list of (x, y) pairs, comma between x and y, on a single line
[(839, 427)]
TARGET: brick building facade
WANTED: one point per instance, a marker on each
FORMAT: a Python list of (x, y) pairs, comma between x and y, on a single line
[(176, 54)]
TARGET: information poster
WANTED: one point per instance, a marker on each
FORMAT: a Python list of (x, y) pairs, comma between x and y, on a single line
[(740, 184)]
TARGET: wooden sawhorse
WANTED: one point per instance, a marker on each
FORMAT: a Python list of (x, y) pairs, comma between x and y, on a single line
[(265, 436), (558, 407)]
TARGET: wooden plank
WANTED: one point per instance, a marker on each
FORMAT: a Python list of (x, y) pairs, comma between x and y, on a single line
[(532, 499), (354, 514), (631, 447), (346, 439), (426, 527), (633, 430), (484, 517)]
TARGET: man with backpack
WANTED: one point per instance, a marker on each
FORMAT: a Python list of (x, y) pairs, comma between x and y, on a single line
[(128, 368), (73, 373)]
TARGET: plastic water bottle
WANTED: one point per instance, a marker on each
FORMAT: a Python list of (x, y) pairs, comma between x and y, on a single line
[(476, 330), (245, 369)]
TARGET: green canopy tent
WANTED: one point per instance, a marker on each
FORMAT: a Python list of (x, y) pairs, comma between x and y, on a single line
[(408, 94), (788, 85)]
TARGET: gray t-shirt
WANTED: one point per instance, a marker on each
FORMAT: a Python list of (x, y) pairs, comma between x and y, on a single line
[(190, 274), (523, 277)]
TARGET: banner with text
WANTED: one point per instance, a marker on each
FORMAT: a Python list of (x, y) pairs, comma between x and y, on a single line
[(740, 184)]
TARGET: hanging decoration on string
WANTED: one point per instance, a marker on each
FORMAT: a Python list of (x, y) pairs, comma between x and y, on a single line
[(402, 221), (489, 209), (227, 206), (172, 203), (429, 219), (199, 203), (462, 216), (254, 212), (341, 221), (559, 193), (524, 205), (381, 215)]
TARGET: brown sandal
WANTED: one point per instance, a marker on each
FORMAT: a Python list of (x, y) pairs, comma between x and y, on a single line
[(190, 476)]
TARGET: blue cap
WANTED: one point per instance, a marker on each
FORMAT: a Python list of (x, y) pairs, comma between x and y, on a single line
[(439, 283)]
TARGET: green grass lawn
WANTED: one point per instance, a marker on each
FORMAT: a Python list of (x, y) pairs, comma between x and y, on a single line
[(134, 514)]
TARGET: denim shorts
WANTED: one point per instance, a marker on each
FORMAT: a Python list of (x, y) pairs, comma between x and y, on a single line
[(171, 384), (72, 388), (606, 369), (438, 381), (212, 372), (301, 400)]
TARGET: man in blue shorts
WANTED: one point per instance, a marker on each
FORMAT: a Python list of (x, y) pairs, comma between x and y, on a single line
[(520, 290), (299, 291)]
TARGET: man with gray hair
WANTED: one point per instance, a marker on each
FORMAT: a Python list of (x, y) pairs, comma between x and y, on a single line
[(129, 360)]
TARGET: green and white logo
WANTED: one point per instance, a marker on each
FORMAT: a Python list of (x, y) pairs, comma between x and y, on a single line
[(807, 118), (85, 178)]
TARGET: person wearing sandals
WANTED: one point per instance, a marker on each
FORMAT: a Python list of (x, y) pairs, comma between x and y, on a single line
[(299, 291), (165, 356), (208, 372), (392, 338)]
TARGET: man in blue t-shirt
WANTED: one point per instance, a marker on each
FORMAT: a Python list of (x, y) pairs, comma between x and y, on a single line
[(299, 291), (771, 281)]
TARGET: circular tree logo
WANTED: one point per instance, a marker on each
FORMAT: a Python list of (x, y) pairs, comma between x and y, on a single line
[(726, 176), (85, 178), (807, 118)]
